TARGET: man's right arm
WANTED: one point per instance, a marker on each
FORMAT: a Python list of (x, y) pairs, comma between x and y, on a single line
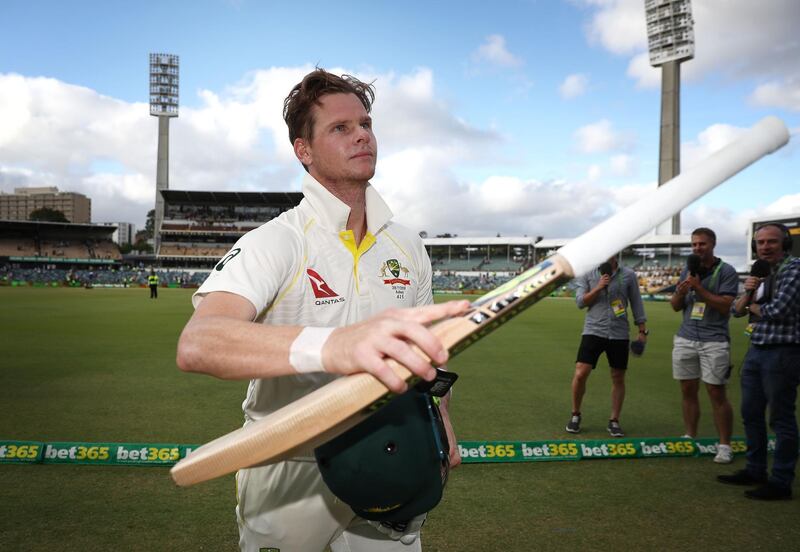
[(222, 340), (586, 297)]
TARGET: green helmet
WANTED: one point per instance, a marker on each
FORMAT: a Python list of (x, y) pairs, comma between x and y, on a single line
[(393, 466)]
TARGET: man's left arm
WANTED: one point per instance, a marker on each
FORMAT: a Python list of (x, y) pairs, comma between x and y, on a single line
[(637, 307), (720, 302)]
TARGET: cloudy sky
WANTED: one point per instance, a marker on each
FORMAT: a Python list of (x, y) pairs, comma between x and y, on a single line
[(518, 117)]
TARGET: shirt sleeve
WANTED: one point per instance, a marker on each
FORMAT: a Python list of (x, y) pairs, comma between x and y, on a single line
[(635, 298), (425, 294), (728, 281), (787, 296), (581, 289), (253, 270)]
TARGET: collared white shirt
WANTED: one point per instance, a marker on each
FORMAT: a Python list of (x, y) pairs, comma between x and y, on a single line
[(303, 268)]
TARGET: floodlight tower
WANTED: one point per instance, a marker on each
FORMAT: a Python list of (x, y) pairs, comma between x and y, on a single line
[(670, 38), (164, 105)]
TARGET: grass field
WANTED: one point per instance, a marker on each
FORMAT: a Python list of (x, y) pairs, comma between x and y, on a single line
[(98, 365)]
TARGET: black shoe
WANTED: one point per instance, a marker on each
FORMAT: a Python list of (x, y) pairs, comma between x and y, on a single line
[(769, 492), (614, 429), (742, 477), (574, 424)]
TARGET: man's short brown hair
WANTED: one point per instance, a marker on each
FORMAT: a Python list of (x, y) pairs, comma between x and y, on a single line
[(307, 93), (707, 232)]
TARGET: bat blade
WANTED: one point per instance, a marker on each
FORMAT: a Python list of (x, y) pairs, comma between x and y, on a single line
[(334, 408)]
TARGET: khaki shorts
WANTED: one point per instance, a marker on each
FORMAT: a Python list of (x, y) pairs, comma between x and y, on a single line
[(287, 507), (709, 361)]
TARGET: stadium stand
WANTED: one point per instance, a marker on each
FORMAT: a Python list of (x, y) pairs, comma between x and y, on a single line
[(200, 227)]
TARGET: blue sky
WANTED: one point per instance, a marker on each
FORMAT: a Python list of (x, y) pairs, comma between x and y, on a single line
[(518, 117)]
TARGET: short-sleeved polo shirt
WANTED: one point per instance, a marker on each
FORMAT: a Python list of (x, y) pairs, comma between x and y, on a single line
[(721, 279), (303, 268)]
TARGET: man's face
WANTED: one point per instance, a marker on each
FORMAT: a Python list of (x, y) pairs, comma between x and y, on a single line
[(769, 244), (703, 247), (343, 148)]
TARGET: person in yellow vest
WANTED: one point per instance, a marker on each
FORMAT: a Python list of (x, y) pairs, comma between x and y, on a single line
[(153, 281)]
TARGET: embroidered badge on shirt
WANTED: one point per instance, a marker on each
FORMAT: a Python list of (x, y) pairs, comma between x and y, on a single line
[(392, 267)]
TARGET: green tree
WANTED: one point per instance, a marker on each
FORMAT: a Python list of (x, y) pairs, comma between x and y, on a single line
[(47, 214), (150, 223)]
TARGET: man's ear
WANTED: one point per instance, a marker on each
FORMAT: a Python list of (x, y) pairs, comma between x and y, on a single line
[(302, 151)]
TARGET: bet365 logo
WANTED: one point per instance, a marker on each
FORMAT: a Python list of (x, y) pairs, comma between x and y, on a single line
[(227, 258)]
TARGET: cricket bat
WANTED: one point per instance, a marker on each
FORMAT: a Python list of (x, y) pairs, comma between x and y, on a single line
[(343, 403)]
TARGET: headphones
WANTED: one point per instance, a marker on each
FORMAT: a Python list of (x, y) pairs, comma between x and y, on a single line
[(786, 244)]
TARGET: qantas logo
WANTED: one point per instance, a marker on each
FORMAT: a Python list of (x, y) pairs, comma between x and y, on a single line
[(322, 291)]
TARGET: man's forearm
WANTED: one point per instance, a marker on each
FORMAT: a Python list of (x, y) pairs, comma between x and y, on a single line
[(235, 349)]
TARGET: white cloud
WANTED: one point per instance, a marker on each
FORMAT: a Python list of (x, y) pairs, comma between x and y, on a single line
[(573, 86), (494, 52), (57, 134), (601, 137), (736, 38), (618, 25), (731, 227), (622, 165), (509, 205), (710, 140), (783, 94)]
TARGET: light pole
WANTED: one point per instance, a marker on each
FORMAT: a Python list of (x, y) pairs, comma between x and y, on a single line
[(164, 105), (670, 39)]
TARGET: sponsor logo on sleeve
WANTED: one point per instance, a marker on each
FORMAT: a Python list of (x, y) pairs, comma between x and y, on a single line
[(227, 258)]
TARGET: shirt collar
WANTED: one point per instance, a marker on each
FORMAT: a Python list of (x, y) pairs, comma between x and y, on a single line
[(331, 212)]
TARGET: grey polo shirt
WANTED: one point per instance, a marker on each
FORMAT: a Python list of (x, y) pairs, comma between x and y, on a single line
[(600, 318), (714, 324)]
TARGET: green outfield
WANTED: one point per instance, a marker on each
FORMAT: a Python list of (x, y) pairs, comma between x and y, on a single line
[(98, 365)]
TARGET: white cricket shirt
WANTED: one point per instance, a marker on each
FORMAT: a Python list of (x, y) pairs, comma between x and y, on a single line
[(303, 268)]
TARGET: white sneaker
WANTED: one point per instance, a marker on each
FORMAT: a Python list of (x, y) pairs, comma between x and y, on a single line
[(724, 454)]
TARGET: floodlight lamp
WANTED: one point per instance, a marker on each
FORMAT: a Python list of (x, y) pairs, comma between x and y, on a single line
[(164, 85), (670, 30)]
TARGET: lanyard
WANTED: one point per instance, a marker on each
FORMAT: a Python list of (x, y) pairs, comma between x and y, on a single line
[(714, 276), (783, 264)]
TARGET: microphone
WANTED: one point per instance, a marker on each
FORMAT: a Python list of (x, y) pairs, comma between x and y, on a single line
[(693, 264), (760, 269), (605, 269)]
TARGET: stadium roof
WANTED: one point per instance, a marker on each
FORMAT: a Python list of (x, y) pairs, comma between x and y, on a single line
[(644, 241), (272, 199), (13, 228), (479, 241)]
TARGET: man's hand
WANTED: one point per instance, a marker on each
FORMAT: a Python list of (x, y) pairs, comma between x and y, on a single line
[(605, 279), (751, 283), (683, 287), (693, 282), (366, 346)]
